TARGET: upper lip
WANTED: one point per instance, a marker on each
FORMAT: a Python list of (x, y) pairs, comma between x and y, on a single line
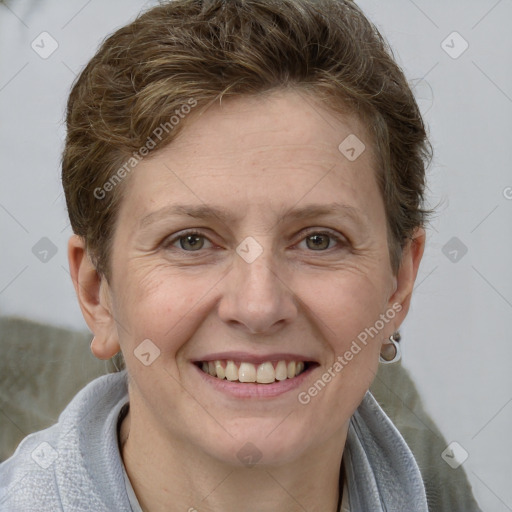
[(254, 358)]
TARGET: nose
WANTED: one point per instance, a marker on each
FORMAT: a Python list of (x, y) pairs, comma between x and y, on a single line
[(256, 297)]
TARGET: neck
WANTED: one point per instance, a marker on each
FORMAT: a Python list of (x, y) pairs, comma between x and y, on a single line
[(171, 476)]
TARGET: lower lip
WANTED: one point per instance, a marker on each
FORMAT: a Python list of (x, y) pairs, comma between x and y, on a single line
[(253, 389)]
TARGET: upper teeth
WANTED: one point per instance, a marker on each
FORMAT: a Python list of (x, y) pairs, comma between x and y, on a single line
[(264, 373)]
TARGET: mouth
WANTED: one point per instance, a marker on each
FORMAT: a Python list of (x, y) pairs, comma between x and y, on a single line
[(266, 372)]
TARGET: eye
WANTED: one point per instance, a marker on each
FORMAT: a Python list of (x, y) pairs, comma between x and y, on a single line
[(194, 241), (190, 241), (321, 240)]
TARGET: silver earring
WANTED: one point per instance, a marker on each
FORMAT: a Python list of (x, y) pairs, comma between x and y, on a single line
[(393, 340)]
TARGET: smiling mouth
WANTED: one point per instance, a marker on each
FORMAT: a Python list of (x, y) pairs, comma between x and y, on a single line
[(264, 373)]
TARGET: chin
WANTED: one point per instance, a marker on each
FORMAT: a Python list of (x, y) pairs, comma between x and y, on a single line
[(259, 443)]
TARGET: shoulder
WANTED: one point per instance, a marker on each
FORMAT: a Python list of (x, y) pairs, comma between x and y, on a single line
[(74, 463)]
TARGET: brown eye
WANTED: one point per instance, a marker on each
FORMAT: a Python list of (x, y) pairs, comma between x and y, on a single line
[(323, 241), (318, 241)]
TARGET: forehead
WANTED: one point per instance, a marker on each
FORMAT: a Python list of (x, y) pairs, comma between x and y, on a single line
[(279, 150), (279, 121)]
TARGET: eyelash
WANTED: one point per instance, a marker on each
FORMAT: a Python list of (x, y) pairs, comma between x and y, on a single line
[(169, 244)]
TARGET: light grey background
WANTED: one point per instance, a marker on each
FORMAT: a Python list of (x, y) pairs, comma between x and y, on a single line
[(456, 340)]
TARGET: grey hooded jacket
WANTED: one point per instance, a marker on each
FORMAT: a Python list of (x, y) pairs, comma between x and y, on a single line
[(75, 465)]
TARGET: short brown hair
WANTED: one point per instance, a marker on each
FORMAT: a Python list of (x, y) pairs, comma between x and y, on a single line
[(201, 50)]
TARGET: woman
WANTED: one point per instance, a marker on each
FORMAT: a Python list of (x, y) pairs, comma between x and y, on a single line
[(245, 183)]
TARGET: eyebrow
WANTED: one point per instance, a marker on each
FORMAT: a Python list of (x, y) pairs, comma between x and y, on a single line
[(210, 212)]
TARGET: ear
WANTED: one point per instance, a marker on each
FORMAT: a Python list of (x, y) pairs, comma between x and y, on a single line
[(94, 297), (406, 276)]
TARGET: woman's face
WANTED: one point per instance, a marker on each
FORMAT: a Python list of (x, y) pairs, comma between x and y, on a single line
[(288, 261)]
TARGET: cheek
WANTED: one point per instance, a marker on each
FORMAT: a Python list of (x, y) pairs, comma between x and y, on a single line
[(345, 303), (163, 305), (346, 313)]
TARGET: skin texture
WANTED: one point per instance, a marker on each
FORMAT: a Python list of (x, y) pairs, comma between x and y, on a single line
[(257, 157)]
